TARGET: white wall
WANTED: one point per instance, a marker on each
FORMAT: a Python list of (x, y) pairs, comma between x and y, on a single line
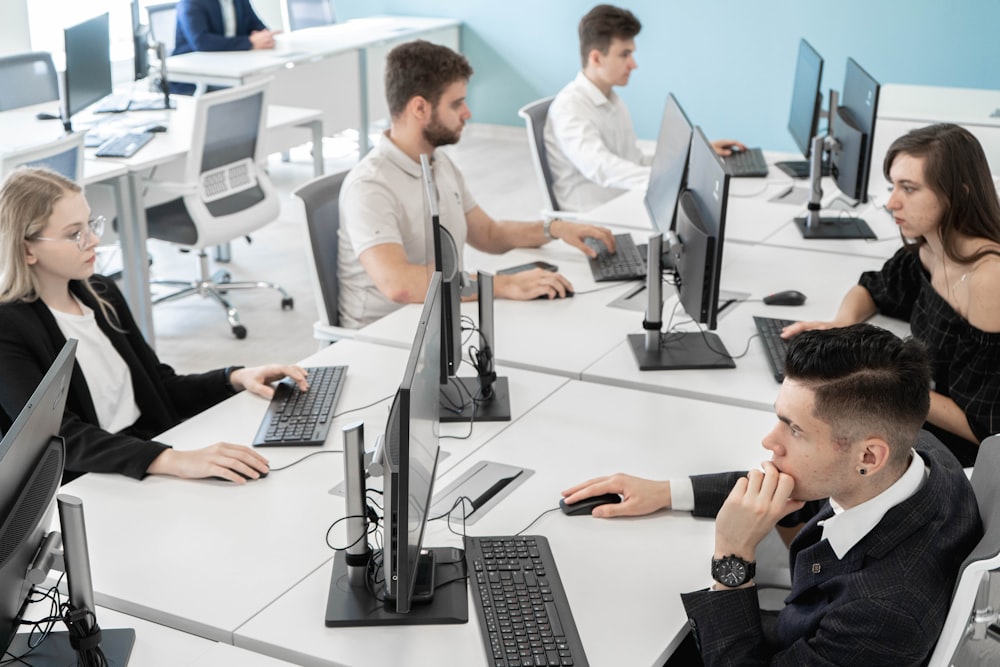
[(14, 26)]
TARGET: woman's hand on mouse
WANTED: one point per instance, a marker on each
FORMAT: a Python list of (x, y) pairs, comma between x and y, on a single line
[(228, 461), (639, 496), (258, 379)]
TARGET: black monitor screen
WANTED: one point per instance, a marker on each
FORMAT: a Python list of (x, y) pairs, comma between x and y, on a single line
[(88, 63), (701, 222), (31, 467), (666, 177), (140, 44), (412, 437), (807, 99), (854, 128)]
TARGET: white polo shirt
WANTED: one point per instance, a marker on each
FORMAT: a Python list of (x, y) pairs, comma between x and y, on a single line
[(592, 147), (382, 201)]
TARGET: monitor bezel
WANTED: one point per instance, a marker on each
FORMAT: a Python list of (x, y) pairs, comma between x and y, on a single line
[(72, 36), (799, 94), (673, 122)]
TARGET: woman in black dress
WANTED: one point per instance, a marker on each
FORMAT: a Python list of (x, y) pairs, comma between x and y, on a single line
[(945, 280)]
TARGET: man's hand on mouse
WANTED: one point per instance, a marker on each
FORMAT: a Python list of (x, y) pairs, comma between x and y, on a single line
[(639, 496), (726, 147)]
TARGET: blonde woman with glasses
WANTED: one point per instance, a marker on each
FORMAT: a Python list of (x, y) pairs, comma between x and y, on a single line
[(120, 395)]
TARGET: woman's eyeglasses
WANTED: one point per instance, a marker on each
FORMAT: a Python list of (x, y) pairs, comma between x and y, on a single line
[(95, 227)]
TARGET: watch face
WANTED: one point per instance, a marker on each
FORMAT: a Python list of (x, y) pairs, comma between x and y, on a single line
[(730, 571)]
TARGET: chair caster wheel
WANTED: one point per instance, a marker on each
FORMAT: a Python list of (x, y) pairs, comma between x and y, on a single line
[(240, 331), (287, 303)]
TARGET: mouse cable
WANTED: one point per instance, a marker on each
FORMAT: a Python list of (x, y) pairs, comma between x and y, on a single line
[(341, 414), (307, 456), (40, 628), (602, 288), (372, 518)]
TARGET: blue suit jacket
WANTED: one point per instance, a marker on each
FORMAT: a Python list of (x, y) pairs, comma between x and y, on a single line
[(200, 27), (884, 603)]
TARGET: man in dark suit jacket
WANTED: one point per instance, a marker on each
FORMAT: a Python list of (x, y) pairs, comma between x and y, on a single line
[(888, 513)]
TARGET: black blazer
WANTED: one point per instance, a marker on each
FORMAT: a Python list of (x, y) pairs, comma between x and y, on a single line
[(30, 339), (884, 603)]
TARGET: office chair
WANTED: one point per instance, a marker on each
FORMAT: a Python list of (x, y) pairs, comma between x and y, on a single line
[(298, 14), (26, 79), (63, 155), (224, 194), (163, 24), (971, 612), (534, 115), (320, 200)]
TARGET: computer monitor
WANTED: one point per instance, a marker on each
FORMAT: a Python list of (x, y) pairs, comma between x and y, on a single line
[(806, 109), (849, 141), (140, 65), (301, 14), (854, 130), (140, 44), (447, 263), (88, 65), (697, 259), (408, 590), (31, 468), (669, 168)]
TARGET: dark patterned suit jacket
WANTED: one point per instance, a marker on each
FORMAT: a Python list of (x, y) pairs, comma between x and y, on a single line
[(884, 603), (30, 339)]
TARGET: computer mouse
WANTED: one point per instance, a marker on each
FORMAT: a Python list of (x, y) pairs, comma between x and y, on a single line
[(786, 298), (587, 505), (41, 115), (156, 128), (247, 478), (568, 294)]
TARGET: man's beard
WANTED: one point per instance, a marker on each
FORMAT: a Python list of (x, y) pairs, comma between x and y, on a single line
[(436, 134)]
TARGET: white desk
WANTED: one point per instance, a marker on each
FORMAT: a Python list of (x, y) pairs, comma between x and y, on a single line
[(205, 556), (622, 577), (346, 57), (159, 646), (759, 270)]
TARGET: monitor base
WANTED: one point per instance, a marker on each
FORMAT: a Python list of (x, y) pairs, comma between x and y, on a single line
[(800, 168), (495, 409), (835, 228), (681, 351), (55, 651), (355, 606)]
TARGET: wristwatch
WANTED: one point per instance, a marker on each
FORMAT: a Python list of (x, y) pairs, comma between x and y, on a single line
[(733, 571), (547, 229)]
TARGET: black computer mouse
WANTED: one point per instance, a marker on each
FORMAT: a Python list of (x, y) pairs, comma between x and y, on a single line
[(156, 128), (587, 505), (568, 294), (786, 298), (246, 477)]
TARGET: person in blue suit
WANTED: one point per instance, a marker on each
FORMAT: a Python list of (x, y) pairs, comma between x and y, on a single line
[(220, 25)]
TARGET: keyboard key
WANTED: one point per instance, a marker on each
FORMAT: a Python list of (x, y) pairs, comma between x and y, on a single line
[(302, 418)]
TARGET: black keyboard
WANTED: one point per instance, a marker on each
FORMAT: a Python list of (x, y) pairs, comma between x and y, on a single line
[(115, 103), (627, 262), (302, 418), (523, 611), (124, 145), (750, 162), (776, 347), (800, 168)]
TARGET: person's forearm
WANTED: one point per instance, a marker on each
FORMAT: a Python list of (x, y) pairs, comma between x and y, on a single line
[(506, 235), (946, 414), (856, 307), (407, 284)]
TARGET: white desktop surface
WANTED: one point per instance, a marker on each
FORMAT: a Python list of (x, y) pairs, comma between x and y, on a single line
[(204, 556), (622, 577), (760, 270), (560, 336), (159, 646)]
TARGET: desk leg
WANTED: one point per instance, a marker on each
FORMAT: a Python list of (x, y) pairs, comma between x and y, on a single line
[(364, 144), (317, 147), (135, 259)]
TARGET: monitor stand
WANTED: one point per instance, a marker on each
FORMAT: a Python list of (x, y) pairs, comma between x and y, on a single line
[(486, 397), (355, 606), (681, 351), (814, 226), (55, 651)]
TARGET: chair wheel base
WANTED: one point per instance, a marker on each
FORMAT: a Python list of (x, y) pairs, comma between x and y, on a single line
[(240, 331), (287, 303)]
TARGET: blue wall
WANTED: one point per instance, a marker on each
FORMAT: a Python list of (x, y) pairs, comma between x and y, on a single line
[(730, 62)]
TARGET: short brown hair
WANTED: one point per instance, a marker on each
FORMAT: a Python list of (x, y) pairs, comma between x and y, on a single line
[(421, 69), (602, 24)]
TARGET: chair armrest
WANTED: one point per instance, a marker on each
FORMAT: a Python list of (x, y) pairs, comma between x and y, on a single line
[(171, 186)]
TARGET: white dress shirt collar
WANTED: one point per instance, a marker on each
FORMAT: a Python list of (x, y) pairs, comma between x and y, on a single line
[(847, 527), (592, 92)]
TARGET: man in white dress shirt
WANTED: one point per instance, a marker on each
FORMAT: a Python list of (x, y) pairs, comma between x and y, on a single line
[(589, 137)]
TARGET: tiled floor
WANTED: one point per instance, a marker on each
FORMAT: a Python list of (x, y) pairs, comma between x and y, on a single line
[(192, 334)]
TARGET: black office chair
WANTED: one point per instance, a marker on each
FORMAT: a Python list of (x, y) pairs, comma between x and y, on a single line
[(225, 194), (534, 116), (26, 79), (298, 14), (320, 199)]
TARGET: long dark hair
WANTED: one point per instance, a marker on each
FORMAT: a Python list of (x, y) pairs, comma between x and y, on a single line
[(955, 168)]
